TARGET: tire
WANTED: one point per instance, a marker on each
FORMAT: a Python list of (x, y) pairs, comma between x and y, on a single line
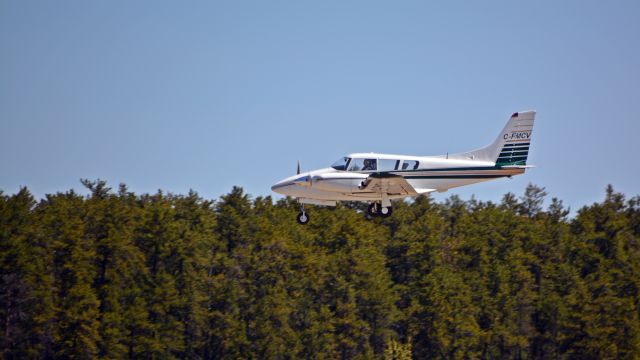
[(302, 218), (385, 211)]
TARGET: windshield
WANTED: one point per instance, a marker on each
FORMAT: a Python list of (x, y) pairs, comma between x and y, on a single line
[(341, 164)]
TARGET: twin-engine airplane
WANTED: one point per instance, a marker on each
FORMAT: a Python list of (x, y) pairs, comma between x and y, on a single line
[(380, 178)]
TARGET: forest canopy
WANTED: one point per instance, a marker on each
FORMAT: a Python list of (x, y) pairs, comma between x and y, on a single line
[(114, 274)]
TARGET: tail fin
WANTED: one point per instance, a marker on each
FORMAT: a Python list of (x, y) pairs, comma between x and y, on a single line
[(511, 147)]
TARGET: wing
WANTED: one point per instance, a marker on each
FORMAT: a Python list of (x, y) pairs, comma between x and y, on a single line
[(390, 184)]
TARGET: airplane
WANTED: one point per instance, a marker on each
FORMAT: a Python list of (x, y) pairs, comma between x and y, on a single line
[(379, 178)]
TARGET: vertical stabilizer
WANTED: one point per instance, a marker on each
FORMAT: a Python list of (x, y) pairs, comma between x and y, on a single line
[(511, 147)]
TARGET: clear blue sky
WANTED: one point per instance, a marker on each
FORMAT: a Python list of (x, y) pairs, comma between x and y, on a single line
[(207, 95)]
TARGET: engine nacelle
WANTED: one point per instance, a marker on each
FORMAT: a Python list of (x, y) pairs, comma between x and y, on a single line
[(339, 182)]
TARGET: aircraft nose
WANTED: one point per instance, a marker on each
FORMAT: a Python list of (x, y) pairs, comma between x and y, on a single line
[(279, 186), (290, 185)]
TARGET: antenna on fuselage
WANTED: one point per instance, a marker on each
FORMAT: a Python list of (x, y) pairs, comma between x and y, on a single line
[(298, 171)]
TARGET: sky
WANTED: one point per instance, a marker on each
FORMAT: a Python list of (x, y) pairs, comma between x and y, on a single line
[(205, 95)]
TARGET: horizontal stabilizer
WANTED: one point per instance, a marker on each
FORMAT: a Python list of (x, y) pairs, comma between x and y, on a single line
[(424, 191)]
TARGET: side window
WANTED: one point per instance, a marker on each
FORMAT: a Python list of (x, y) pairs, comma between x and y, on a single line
[(387, 164), (355, 165), (410, 165), (369, 165), (363, 165)]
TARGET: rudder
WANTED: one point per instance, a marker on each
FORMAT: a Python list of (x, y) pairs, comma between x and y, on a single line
[(511, 147)]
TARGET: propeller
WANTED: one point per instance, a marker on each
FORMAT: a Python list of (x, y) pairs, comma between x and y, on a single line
[(306, 181)]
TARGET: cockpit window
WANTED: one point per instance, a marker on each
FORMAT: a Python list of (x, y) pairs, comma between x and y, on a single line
[(363, 165), (341, 164)]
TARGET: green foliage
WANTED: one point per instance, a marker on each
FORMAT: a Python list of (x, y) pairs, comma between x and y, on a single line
[(397, 351), (119, 275)]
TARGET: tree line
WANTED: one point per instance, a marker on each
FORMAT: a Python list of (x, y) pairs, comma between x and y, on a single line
[(113, 274)]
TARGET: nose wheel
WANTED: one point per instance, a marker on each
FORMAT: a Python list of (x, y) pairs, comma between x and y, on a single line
[(303, 217), (376, 209)]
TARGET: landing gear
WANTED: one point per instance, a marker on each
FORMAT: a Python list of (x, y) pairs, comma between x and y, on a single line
[(303, 217), (376, 209), (385, 211)]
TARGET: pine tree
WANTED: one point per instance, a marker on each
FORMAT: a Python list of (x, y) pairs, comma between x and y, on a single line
[(110, 223), (195, 222), (16, 298), (76, 303), (531, 202), (157, 236), (609, 323)]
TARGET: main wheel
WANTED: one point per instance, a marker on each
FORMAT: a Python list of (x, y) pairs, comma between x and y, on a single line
[(372, 210), (385, 211), (302, 218)]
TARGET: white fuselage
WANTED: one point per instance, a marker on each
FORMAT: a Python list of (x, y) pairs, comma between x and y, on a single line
[(431, 173), (380, 178)]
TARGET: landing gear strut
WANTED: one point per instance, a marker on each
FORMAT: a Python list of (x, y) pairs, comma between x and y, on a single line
[(303, 217), (372, 209), (376, 209)]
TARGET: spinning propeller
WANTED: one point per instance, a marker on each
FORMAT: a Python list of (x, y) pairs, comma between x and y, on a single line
[(304, 181)]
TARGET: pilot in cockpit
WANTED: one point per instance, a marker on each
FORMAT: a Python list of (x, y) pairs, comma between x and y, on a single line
[(369, 164)]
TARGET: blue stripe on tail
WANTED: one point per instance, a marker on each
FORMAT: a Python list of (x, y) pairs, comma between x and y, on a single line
[(513, 154)]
